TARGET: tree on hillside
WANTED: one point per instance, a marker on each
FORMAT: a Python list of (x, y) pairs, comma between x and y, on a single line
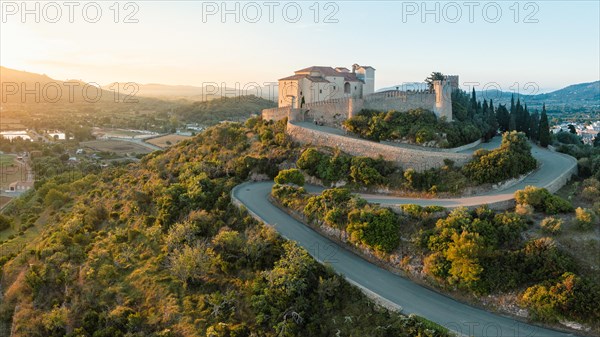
[(572, 129), (534, 130), (597, 140), (503, 118), (435, 76), (521, 118), (544, 128), (513, 113), (490, 119), (525, 120), (463, 253), (473, 105), (512, 123)]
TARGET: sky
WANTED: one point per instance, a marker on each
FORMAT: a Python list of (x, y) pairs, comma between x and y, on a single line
[(528, 46)]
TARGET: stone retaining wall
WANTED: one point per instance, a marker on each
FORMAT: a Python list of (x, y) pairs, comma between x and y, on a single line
[(275, 114), (419, 160), (562, 180)]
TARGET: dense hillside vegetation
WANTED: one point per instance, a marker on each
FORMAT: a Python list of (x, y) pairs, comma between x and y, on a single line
[(225, 108), (512, 159), (157, 249), (472, 120), (478, 252)]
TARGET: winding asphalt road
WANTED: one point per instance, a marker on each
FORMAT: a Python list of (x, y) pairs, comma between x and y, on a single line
[(553, 166), (396, 290)]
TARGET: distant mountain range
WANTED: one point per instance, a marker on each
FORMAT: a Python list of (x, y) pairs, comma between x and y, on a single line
[(82, 92), (191, 93), (576, 97), (25, 87)]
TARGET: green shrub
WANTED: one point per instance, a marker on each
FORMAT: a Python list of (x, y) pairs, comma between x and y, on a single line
[(524, 209), (585, 218), (375, 227), (291, 176), (288, 196), (425, 135), (309, 161), (555, 204), (367, 171), (532, 195), (511, 160), (571, 297), (551, 225), (414, 210), (339, 166), (434, 209), (542, 200), (591, 189), (5, 222)]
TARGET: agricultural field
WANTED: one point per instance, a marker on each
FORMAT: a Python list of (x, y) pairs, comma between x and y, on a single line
[(120, 133), (119, 147), (168, 140)]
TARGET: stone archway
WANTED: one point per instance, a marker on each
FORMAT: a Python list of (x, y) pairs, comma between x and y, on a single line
[(346, 88)]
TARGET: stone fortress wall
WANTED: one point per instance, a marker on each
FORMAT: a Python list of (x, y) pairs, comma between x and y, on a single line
[(419, 160), (334, 112), (275, 114)]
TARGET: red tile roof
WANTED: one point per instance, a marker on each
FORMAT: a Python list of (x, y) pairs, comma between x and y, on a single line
[(310, 78), (325, 71)]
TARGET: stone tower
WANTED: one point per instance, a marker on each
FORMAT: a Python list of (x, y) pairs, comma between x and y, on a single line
[(443, 99), (453, 80), (367, 75)]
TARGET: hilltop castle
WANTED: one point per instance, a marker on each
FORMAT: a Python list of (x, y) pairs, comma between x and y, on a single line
[(329, 95)]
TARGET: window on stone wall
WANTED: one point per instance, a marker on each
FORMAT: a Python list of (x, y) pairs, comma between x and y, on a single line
[(320, 91), (346, 88)]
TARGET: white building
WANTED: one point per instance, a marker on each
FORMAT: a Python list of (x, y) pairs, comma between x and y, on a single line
[(319, 83)]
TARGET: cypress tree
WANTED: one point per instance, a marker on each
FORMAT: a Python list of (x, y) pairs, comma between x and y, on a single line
[(526, 116), (503, 117), (473, 101), (513, 114), (534, 122), (490, 120), (512, 104), (512, 123), (544, 128), (519, 116)]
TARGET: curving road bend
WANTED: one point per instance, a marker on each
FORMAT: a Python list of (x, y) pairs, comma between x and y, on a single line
[(553, 166), (393, 289), (396, 290)]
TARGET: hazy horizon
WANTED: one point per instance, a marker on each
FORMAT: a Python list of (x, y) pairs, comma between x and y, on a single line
[(188, 51)]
